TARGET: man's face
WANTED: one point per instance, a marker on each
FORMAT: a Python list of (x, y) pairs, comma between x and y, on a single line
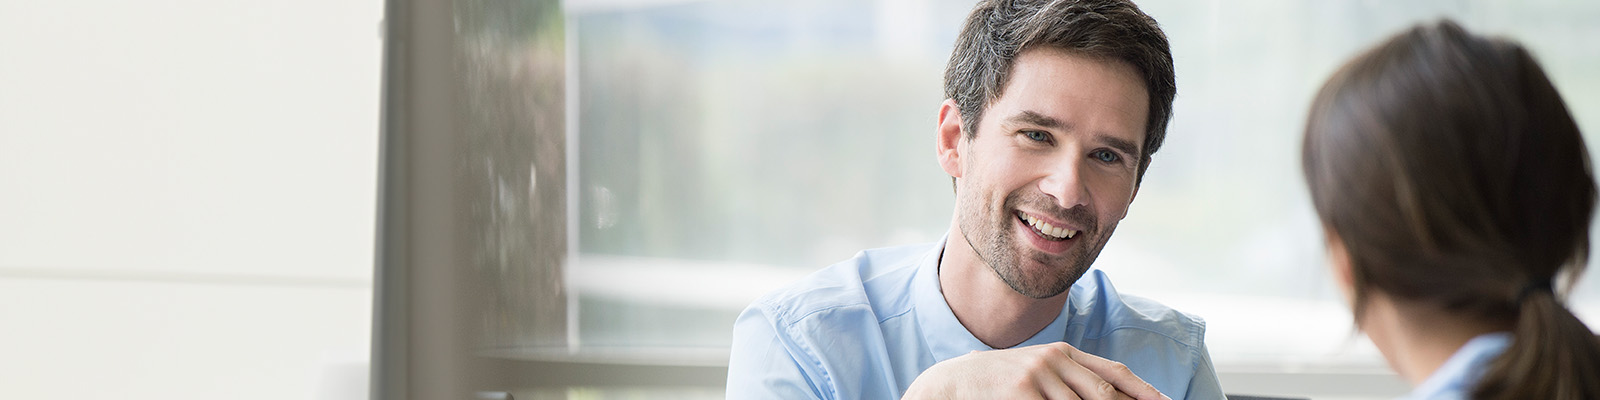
[(1052, 169)]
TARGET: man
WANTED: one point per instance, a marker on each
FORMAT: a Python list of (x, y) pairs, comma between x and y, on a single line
[(1054, 109)]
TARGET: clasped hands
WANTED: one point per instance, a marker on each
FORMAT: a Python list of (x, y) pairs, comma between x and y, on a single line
[(1055, 371)]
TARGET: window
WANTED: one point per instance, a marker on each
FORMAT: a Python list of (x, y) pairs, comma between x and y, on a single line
[(717, 149)]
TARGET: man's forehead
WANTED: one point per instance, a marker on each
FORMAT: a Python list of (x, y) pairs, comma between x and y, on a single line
[(1069, 115), (1043, 67)]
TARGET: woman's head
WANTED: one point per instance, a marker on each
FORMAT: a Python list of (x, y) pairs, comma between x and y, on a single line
[(1450, 170), (1449, 167)]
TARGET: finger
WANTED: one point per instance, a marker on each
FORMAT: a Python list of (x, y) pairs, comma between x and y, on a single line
[(1053, 387), (1115, 373), (1080, 380), (1084, 382)]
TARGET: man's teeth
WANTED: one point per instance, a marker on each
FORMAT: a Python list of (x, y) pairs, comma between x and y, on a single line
[(1048, 230)]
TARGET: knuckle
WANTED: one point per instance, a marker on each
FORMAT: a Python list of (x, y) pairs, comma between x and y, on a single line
[(1105, 390), (1037, 363), (1024, 385), (1120, 368)]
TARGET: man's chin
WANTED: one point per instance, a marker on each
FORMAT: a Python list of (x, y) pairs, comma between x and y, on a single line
[(1041, 294), (1039, 287), (1052, 283)]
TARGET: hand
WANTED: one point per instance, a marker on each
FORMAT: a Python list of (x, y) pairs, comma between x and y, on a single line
[(1047, 371)]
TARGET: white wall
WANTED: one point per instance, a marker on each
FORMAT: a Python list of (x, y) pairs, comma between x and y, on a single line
[(187, 195)]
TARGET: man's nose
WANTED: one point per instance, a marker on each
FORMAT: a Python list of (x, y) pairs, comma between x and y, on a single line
[(1064, 182)]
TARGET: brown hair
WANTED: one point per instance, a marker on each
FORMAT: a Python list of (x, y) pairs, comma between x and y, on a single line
[(998, 30), (1451, 169)]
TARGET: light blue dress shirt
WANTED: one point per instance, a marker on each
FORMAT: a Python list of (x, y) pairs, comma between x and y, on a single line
[(1455, 378), (866, 327)]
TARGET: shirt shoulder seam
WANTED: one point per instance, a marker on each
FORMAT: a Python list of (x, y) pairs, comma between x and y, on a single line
[(812, 357), (789, 323), (1191, 346), (908, 310)]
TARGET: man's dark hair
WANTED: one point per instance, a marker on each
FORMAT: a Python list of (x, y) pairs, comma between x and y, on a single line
[(998, 30)]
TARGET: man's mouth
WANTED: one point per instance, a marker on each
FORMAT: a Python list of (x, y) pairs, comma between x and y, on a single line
[(1045, 229)]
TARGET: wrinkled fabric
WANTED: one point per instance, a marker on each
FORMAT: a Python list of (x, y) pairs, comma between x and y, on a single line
[(866, 327)]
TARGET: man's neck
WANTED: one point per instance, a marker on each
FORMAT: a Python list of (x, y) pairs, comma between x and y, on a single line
[(994, 313)]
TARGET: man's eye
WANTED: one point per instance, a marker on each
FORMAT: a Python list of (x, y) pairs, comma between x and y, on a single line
[(1105, 156), (1037, 136)]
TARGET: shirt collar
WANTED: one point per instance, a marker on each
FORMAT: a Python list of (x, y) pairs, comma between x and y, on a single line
[(944, 334), (1461, 371)]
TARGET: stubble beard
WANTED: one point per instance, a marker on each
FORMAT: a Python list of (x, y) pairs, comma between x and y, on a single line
[(1000, 249)]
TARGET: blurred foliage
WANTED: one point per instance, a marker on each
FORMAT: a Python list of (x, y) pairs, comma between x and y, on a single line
[(512, 67)]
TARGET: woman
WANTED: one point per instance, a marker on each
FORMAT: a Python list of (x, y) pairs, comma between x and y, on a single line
[(1453, 187)]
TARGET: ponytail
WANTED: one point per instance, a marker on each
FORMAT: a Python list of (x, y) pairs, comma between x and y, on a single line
[(1552, 355)]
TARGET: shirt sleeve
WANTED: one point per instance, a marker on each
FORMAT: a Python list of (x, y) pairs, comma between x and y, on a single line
[(762, 366), (1204, 385)]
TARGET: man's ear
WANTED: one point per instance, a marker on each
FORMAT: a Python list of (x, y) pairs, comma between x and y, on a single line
[(950, 138)]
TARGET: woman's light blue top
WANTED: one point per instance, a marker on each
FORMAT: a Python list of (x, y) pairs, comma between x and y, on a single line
[(1455, 378)]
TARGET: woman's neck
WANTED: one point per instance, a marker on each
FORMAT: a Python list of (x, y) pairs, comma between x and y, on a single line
[(1417, 339)]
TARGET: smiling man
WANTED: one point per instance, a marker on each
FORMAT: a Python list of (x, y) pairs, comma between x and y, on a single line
[(1054, 109)]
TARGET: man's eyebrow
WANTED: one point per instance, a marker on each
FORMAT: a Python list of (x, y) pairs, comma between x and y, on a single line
[(1122, 145), (1033, 118), (1037, 119)]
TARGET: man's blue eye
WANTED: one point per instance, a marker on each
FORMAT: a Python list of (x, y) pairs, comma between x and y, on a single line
[(1036, 136), (1105, 156)]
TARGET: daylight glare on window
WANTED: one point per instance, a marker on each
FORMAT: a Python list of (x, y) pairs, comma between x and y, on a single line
[(729, 147)]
